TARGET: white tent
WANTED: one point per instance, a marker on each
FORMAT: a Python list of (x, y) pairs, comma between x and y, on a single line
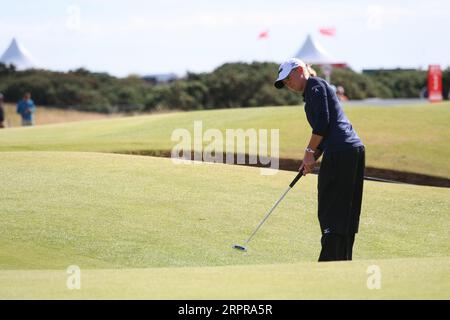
[(18, 56), (312, 52)]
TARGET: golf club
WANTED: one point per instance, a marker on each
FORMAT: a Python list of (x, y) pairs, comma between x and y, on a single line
[(291, 185)]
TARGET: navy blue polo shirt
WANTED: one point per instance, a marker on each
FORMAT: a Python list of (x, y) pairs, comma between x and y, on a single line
[(327, 118)]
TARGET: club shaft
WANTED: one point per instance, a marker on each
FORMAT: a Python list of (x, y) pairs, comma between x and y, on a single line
[(268, 214)]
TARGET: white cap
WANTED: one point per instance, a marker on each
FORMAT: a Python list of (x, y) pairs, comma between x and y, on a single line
[(286, 68)]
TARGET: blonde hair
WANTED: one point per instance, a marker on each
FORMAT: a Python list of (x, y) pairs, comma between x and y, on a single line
[(306, 69), (311, 71)]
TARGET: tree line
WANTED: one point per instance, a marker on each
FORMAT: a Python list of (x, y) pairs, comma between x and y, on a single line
[(231, 85)]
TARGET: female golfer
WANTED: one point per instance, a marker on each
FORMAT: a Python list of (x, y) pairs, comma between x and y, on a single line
[(341, 175)]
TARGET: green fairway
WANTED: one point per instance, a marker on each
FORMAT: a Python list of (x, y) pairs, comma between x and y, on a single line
[(127, 211), (108, 211), (408, 138), (400, 279)]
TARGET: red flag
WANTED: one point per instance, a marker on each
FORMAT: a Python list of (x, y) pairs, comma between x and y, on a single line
[(434, 83), (264, 35), (328, 31)]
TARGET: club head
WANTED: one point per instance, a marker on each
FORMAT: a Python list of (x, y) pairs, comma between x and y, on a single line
[(239, 247)]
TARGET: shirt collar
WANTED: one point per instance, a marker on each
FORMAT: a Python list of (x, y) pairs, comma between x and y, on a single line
[(307, 87)]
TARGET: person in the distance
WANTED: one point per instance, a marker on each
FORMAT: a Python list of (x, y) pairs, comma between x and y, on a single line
[(2, 112), (26, 109)]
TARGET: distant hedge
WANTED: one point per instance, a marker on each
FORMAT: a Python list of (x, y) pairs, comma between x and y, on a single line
[(231, 85), (401, 83)]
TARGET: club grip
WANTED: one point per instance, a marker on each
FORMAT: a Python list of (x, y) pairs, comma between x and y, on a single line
[(297, 177)]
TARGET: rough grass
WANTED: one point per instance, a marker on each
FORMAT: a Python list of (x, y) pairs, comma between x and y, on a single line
[(45, 115), (409, 138)]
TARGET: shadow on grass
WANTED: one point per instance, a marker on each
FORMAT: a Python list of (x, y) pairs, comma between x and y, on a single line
[(376, 174)]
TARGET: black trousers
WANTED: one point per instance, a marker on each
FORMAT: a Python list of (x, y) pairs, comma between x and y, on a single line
[(340, 190), (336, 247)]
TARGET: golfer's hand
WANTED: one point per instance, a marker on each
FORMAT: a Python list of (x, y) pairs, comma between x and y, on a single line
[(308, 163), (318, 154)]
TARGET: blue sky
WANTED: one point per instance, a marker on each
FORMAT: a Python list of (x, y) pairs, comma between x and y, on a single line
[(144, 37)]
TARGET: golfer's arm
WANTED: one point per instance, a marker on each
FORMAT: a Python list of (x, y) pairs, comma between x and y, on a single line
[(314, 144), (322, 122), (314, 141)]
